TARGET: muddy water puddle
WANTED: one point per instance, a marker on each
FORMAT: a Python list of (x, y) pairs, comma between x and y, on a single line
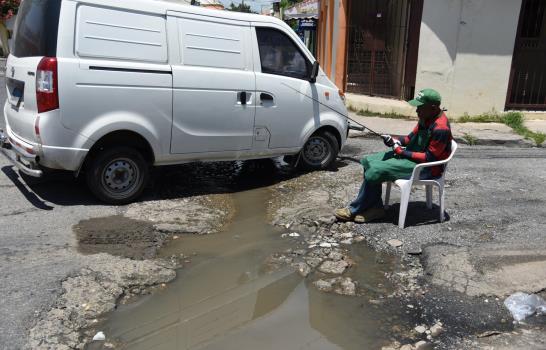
[(227, 295)]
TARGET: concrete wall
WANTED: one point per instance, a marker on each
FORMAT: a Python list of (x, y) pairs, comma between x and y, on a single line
[(465, 52)]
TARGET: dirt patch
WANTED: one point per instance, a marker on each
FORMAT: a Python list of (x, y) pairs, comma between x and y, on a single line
[(118, 235)]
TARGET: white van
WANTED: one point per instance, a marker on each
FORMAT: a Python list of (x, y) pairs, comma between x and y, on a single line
[(109, 88)]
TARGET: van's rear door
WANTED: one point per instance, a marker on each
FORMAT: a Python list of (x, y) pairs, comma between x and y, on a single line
[(35, 37)]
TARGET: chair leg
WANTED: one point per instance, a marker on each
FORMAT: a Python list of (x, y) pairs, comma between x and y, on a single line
[(405, 192), (388, 194), (429, 196), (442, 209)]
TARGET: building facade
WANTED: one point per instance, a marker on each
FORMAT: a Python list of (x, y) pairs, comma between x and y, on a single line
[(482, 55)]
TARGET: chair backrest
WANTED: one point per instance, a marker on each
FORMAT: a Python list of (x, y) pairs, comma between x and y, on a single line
[(419, 167), (454, 146)]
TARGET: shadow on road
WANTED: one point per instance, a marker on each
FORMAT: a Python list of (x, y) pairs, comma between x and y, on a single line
[(167, 182), (417, 215)]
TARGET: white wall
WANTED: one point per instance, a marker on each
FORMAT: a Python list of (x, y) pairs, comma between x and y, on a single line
[(465, 52)]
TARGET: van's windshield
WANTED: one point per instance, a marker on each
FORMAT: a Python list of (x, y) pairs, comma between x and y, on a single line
[(36, 26)]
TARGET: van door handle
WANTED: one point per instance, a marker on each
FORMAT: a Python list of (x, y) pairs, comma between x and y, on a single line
[(242, 97), (266, 97)]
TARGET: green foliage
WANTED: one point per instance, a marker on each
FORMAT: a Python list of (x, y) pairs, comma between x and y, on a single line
[(368, 113), (240, 8), (482, 118), (287, 3), (471, 140), (514, 120)]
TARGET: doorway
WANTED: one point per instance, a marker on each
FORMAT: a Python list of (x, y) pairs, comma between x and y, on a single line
[(383, 40), (527, 86)]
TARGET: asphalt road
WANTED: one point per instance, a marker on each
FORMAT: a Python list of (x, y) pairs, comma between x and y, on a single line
[(494, 193), (37, 246)]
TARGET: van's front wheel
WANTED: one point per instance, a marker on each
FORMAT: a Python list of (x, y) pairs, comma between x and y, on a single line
[(117, 175), (319, 152)]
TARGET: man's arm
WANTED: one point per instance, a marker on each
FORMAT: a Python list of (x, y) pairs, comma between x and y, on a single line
[(404, 141), (438, 143)]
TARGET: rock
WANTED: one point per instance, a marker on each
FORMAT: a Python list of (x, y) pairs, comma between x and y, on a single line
[(406, 347), (338, 285), (335, 256), (346, 287), (294, 234), (436, 330), (422, 345), (313, 261), (346, 235), (347, 241), (395, 243), (323, 286), (99, 336), (334, 267), (325, 245), (359, 239), (303, 269), (169, 228), (420, 329)]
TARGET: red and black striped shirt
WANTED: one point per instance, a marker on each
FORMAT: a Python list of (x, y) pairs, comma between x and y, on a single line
[(439, 147)]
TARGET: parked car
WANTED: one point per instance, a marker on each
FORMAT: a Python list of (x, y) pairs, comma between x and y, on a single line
[(108, 88)]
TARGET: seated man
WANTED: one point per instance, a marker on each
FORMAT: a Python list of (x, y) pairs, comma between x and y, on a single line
[(429, 141)]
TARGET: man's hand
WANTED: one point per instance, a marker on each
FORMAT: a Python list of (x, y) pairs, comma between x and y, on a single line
[(388, 140), (397, 148)]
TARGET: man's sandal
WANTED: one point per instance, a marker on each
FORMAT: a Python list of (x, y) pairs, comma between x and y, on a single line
[(344, 214), (370, 215)]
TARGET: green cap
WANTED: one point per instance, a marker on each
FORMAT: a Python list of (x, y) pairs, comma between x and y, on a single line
[(426, 96)]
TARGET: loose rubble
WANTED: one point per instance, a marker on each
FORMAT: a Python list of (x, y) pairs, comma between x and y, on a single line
[(338, 285)]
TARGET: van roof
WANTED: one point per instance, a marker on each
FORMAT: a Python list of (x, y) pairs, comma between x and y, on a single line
[(161, 7)]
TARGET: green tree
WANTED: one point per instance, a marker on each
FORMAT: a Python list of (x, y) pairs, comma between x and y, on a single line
[(240, 8)]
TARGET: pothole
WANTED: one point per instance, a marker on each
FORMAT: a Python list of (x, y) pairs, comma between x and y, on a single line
[(118, 235)]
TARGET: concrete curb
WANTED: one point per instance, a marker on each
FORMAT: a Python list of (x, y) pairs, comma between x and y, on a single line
[(523, 143)]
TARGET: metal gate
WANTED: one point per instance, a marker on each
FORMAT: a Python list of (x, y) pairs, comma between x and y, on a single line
[(527, 87), (377, 43)]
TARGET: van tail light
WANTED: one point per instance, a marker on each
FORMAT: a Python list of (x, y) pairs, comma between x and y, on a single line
[(47, 89)]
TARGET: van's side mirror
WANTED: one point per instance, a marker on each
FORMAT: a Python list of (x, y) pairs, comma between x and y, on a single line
[(314, 72)]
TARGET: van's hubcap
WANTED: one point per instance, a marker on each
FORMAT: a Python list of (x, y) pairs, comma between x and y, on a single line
[(120, 175), (316, 150)]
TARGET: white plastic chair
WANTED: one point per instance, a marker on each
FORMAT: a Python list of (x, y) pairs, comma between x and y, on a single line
[(406, 185)]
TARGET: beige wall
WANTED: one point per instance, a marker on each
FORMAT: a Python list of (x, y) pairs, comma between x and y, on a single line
[(465, 52)]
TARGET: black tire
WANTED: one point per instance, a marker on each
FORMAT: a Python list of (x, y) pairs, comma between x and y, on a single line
[(117, 175), (319, 152)]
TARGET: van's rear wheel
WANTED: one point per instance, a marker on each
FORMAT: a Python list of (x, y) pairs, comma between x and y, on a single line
[(319, 152), (117, 175)]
